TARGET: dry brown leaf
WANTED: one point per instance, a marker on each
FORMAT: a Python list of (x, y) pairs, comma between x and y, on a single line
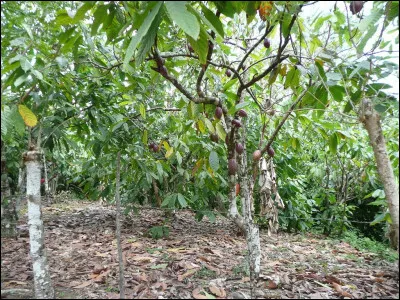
[(270, 284), (101, 254), (190, 265), (177, 250), (143, 258), (196, 294), (187, 274), (15, 282), (84, 284), (136, 245), (216, 270), (217, 291), (203, 258), (331, 279), (140, 277), (338, 288), (102, 277)]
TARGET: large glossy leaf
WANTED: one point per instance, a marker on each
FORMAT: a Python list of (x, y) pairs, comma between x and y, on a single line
[(333, 142), (143, 30), (181, 200), (213, 21), (183, 18), (148, 40)]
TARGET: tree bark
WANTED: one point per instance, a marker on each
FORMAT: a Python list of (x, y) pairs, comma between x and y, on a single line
[(41, 273), (156, 193), (118, 231), (371, 121)]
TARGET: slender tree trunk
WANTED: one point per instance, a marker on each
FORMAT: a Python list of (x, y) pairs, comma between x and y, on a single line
[(371, 121), (46, 177), (156, 193), (118, 233), (41, 273), (251, 229), (21, 186)]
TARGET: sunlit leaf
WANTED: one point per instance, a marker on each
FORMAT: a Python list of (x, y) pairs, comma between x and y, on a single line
[(27, 115)]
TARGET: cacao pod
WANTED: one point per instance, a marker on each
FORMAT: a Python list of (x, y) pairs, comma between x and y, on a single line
[(256, 155), (218, 112), (239, 148), (242, 113), (232, 166)]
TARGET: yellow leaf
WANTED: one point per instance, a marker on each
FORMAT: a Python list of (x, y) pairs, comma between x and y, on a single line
[(166, 145), (202, 128), (169, 152), (27, 115)]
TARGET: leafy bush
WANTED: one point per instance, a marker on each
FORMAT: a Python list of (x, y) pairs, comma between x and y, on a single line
[(365, 244)]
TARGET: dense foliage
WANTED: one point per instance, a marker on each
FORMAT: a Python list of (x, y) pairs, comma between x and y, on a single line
[(99, 78)]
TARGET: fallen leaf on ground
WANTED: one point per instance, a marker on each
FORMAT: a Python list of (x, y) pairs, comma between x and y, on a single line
[(84, 284)]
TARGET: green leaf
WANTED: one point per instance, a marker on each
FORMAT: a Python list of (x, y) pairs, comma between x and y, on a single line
[(148, 40), (37, 74), (25, 64), (292, 78), (200, 46), (381, 217), (337, 92), (28, 30), (142, 110), (333, 142), (212, 20), (99, 17), (214, 160), (80, 14), (144, 137), (367, 37), (285, 26), (183, 18), (178, 157), (143, 30), (211, 217), (201, 126), (220, 131), (209, 125), (63, 19), (181, 200), (370, 20), (229, 84), (320, 70), (20, 80)]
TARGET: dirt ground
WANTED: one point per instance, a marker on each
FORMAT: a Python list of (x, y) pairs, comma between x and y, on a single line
[(201, 260)]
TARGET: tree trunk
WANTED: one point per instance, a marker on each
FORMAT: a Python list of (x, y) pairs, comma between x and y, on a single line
[(371, 121), (118, 231), (21, 189), (41, 274), (156, 193)]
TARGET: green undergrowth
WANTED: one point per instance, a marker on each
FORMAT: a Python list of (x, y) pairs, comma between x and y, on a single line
[(365, 244)]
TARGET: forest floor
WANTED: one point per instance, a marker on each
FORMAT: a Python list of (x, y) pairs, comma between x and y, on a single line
[(201, 260)]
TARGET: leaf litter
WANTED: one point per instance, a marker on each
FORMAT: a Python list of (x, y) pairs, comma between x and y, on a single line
[(201, 260)]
